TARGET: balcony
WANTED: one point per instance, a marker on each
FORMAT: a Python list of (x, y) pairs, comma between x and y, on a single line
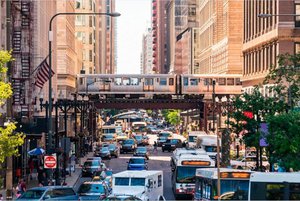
[(154, 47)]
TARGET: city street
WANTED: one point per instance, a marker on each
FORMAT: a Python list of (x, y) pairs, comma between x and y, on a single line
[(158, 161)]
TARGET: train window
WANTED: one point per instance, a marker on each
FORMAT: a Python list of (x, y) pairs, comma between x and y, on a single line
[(163, 81), (171, 81), (185, 81), (230, 81), (148, 82), (207, 81), (118, 81), (126, 81), (194, 82), (238, 81), (222, 81), (134, 81)]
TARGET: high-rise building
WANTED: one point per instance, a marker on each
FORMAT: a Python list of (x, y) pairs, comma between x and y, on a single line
[(107, 38), (159, 36), (181, 21), (219, 37), (86, 32), (266, 38), (147, 53)]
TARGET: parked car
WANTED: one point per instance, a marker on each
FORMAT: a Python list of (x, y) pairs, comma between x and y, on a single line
[(94, 158), (49, 193), (171, 145), (105, 152), (89, 167), (137, 163), (128, 146), (114, 150), (93, 190), (249, 162), (105, 175), (142, 151)]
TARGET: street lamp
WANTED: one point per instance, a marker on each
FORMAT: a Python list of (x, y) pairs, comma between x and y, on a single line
[(50, 37), (267, 15)]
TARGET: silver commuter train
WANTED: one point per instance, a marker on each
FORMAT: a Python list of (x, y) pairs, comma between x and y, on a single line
[(158, 85)]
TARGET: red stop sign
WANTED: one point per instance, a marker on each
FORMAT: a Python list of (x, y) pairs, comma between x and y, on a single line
[(50, 162)]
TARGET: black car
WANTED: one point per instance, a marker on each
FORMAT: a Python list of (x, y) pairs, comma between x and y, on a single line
[(114, 150), (104, 152), (171, 145), (161, 140), (128, 146), (89, 167), (142, 151)]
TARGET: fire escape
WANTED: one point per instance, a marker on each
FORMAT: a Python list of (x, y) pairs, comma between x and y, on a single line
[(22, 47)]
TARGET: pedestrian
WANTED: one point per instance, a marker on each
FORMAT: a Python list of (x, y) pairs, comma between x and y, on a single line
[(1, 197), (31, 167), (155, 147), (21, 188)]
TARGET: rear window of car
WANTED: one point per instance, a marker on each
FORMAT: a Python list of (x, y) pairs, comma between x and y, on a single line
[(33, 194), (128, 142), (91, 188), (137, 160), (61, 192), (92, 163)]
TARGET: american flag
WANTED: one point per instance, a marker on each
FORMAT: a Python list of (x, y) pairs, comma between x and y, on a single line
[(42, 74)]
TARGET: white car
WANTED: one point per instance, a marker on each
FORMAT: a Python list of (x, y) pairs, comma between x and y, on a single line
[(249, 162)]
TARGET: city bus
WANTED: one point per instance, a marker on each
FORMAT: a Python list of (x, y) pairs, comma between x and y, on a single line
[(274, 186), (184, 170), (234, 184)]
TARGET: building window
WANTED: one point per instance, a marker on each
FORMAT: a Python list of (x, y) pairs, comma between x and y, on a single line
[(91, 5), (91, 56), (91, 38), (297, 18), (91, 21), (83, 38), (78, 4), (297, 48)]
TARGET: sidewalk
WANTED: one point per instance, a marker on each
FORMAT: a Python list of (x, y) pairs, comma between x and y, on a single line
[(70, 180)]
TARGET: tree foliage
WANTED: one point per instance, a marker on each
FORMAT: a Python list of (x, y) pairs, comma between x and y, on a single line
[(284, 139), (172, 116), (9, 140)]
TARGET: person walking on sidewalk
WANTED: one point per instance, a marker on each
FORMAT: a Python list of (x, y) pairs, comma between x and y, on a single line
[(155, 147)]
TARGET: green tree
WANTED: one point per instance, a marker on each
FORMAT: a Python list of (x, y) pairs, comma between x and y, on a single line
[(9, 140), (284, 139), (286, 79), (173, 117)]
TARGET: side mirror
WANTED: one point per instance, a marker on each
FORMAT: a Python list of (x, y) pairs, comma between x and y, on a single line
[(172, 169)]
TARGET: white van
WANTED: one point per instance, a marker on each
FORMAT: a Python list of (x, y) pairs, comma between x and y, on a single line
[(145, 185), (192, 137), (208, 143)]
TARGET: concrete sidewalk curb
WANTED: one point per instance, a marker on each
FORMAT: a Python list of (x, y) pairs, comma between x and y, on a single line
[(77, 180)]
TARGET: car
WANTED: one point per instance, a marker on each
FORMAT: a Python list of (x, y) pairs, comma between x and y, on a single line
[(137, 163), (114, 150), (104, 152), (249, 162), (89, 167), (94, 158), (105, 175), (93, 190), (161, 140), (122, 198), (128, 146), (139, 139), (142, 151), (108, 138), (49, 193), (171, 145), (166, 134)]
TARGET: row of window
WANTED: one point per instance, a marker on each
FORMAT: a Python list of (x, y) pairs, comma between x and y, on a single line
[(260, 60), (80, 4)]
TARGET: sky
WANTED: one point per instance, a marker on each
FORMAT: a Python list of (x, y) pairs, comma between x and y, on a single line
[(131, 25)]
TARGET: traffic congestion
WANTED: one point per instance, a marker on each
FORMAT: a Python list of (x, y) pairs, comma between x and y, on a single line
[(145, 161)]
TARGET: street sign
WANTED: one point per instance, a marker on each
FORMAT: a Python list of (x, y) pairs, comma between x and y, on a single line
[(50, 162)]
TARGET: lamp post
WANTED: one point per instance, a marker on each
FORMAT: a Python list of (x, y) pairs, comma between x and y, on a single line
[(50, 37)]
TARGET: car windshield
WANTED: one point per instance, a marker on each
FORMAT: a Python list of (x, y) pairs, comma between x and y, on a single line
[(211, 148), (109, 173), (107, 137), (128, 142), (137, 161), (162, 138), (111, 146), (32, 194), (164, 135), (104, 149), (91, 188), (192, 138), (91, 163), (186, 174), (141, 150), (138, 137)]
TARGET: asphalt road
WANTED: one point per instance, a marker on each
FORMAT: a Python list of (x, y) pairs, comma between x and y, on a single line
[(158, 161)]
